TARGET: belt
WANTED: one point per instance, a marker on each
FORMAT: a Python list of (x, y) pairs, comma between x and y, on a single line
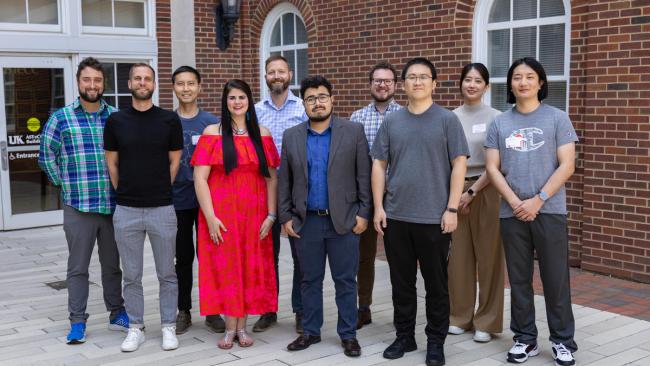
[(325, 212), (470, 179)]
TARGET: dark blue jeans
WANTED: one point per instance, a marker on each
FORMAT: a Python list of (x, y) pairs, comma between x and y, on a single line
[(296, 300), (318, 242)]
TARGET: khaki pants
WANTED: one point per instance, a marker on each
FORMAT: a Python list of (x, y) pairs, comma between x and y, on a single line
[(476, 250), (367, 253)]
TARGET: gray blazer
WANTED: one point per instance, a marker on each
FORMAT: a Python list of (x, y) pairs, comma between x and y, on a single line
[(348, 175)]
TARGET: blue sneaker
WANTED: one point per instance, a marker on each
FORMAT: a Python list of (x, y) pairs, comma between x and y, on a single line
[(120, 322), (77, 333)]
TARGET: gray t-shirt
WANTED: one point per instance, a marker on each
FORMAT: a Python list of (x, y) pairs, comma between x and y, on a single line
[(527, 146), (475, 120), (419, 149)]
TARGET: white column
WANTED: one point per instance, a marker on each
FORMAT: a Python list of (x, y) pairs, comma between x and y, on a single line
[(183, 38)]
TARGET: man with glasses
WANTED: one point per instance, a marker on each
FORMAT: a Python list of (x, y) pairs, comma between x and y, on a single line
[(416, 206), (281, 110), (324, 203), (383, 78)]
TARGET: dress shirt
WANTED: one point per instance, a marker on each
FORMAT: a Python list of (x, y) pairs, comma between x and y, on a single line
[(291, 113), (72, 155), (371, 118), (318, 150)]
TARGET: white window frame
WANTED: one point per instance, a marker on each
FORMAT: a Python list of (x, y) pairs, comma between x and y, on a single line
[(265, 42), (149, 19), (481, 27), (26, 27)]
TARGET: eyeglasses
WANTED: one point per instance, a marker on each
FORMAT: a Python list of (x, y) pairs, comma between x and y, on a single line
[(387, 82), (322, 98), (414, 78)]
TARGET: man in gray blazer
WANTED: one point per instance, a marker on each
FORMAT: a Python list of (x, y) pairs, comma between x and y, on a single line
[(324, 203)]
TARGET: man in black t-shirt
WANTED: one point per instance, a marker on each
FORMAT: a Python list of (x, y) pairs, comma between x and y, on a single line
[(143, 146)]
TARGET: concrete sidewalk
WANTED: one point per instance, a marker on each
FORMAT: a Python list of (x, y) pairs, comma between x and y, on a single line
[(33, 323)]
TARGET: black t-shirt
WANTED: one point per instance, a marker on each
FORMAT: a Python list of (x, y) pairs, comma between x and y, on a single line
[(143, 141)]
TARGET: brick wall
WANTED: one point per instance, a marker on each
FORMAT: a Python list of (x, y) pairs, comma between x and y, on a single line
[(609, 195), (164, 37)]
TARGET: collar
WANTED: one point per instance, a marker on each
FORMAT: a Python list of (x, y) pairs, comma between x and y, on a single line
[(392, 105), (102, 105), (311, 131), (290, 98)]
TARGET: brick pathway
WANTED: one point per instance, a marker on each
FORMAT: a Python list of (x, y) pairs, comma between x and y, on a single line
[(33, 322)]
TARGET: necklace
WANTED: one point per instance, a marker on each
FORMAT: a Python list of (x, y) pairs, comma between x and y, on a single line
[(238, 131)]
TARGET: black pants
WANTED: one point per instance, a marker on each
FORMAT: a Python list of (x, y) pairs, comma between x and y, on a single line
[(296, 297), (406, 245), (547, 235), (186, 220)]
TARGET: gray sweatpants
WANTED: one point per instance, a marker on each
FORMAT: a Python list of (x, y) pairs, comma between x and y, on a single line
[(131, 225), (547, 235), (82, 229)]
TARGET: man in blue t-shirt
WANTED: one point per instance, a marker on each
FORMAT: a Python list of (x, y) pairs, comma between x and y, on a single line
[(187, 87)]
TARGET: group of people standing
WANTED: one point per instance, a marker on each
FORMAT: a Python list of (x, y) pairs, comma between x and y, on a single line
[(450, 192)]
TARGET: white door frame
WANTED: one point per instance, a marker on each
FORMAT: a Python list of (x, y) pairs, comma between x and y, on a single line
[(8, 221)]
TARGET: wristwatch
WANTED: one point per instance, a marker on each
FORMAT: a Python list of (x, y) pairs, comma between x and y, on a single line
[(543, 196), (471, 192), (452, 210)]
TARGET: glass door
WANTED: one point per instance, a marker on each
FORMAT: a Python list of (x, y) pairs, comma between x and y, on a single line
[(31, 89)]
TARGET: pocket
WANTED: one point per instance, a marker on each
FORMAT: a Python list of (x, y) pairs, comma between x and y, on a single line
[(351, 197)]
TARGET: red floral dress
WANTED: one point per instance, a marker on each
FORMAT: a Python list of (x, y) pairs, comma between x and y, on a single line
[(236, 277)]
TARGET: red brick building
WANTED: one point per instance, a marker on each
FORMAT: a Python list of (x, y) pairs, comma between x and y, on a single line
[(597, 54)]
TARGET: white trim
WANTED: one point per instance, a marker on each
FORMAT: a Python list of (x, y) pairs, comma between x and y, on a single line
[(481, 27), (147, 31), (265, 40), (27, 27)]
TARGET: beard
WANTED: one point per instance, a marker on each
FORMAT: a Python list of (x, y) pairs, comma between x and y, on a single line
[(380, 99), (320, 118), (137, 96), (278, 89), (84, 95)]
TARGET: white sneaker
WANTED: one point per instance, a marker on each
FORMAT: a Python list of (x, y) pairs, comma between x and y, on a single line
[(169, 340), (562, 356), (455, 330), (481, 336), (521, 351), (133, 340)]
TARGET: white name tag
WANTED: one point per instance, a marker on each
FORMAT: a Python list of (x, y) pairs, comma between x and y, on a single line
[(480, 128), (195, 139)]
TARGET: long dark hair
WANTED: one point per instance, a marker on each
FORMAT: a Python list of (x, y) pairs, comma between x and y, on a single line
[(227, 140), (480, 68)]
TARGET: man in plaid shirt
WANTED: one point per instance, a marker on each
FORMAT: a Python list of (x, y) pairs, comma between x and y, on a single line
[(382, 78), (72, 155)]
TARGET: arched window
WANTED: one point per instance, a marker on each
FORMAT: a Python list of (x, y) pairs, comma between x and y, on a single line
[(284, 33), (506, 30)]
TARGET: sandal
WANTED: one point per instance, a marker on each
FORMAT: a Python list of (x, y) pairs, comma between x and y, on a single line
[(227, 341), (244, 339)]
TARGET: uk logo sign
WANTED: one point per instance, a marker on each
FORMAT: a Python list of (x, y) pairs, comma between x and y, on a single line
[(525, 139)]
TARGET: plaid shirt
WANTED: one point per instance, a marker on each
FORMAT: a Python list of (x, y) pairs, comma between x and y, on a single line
[(277, 120), (371, 118), (72, 155)]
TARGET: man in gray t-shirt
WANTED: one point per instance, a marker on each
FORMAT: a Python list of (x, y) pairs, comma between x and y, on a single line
[(416, 206)]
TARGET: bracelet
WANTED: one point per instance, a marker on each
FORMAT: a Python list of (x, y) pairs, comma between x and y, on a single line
[(271, 216)]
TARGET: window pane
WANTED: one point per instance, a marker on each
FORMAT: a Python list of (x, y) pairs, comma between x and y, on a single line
[(551, 48), (287, 29), (110, 100), (109, 77), (129, 15), (96, 13), (276, 37), (557, 94), (500, 11), (551, 8), (13, 11), (524, 42), (524, 9), (123, 78), (43, 12), (274, 53), (301, 32), (499, 97), (291, 57), (123, 102), (499, 51), (301, 70)]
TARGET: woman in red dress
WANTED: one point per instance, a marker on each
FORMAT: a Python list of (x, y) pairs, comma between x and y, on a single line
[(235, 180)]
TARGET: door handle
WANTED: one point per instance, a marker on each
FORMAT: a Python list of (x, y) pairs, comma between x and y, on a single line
[(3, 155)]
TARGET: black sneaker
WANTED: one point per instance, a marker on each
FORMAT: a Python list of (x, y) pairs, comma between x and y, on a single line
[(435, 354), (562, 356), (183, 321), (215, 323), (399, 346), (521, 351), (265, 322)]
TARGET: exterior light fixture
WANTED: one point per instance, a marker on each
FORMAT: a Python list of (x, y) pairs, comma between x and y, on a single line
[(226, 14)]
